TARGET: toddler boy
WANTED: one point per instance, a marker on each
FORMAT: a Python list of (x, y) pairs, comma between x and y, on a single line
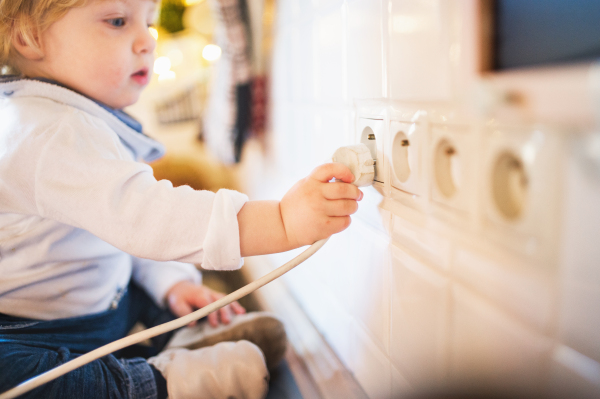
[(90, 242)]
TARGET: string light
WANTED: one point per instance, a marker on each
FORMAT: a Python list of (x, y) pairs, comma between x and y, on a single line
[(162, 65), (211, 52), (188, 3)]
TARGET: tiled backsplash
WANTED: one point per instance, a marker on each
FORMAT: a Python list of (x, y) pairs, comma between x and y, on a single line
[(476, 254)]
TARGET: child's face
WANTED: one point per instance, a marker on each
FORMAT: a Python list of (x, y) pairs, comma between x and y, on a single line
[(103, 50)]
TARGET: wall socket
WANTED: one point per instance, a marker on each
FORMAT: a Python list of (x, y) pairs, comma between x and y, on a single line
[(453, 173), (522, 172), (371, 133), (406, 158)]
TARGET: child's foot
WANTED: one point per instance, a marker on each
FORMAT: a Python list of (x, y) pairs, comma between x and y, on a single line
[(261, 328), (225, 370)]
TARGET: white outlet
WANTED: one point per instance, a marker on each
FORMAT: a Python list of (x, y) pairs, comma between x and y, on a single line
[(405, 156), (521, 176), (453, 174), (371, 133)]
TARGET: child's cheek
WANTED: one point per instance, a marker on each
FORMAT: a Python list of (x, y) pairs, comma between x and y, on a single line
[(117, 75)]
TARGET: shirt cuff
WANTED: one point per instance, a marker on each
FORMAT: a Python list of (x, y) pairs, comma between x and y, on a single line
[(222, 243)]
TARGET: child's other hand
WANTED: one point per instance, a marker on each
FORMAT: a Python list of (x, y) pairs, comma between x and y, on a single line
[(314, 208), (186, 297)]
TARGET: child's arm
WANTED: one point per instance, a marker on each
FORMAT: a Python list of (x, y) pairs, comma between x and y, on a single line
[(311, 210)]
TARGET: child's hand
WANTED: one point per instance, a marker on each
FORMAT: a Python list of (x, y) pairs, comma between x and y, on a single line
[(186, 297), (314, 208)]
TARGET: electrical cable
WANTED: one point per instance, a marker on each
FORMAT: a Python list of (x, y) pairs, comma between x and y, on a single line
[(107, 349), (357, 158)]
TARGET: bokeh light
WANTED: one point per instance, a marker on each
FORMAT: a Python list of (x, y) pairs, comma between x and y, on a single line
[(211, 52)]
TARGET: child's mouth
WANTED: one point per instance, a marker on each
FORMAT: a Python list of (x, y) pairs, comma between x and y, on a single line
[(141, 76)]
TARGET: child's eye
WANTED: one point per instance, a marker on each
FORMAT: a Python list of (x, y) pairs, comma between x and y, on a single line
[(116, 22)]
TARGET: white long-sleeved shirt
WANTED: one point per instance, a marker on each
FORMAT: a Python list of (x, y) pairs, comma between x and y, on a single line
[(80, 215)]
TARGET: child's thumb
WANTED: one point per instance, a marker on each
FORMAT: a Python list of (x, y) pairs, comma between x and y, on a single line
[(328, 171)]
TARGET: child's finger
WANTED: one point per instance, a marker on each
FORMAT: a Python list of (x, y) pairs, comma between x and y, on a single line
[(178, 306), (328, 171), (213, 318), (341, 207), (225, 314), (203, 298), (237, 308), (338, 190)]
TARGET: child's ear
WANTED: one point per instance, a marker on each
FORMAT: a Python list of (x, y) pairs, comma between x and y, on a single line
[(28, 46)]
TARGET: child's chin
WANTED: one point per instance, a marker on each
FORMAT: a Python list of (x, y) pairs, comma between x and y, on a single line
[(123, 102)]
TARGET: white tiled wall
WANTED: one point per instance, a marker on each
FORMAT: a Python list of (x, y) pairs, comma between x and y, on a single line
[(425, 289)]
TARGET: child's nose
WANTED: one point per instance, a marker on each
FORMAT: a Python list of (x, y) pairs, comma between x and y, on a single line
[(145, 42)]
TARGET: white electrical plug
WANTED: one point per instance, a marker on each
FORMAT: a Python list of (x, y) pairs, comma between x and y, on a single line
[(359, 160)]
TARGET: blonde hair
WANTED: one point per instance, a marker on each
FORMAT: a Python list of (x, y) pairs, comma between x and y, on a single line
[(28, 18)]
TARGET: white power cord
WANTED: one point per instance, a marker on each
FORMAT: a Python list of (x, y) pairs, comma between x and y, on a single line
[(356, 157), (107, 349)]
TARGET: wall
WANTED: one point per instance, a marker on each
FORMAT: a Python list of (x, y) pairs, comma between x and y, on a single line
[(473, 266)]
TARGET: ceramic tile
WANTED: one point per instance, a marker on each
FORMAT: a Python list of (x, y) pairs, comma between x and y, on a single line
[(281, 87), (365, 51), (428, 245), (327, 5), (281, 123), (490, 347), (300, 147), (375, 310), (338, 331), (371, 214), (579, 319), (302, 10), (419, 321), (329, 133), (284, 17), (581, 218), (339, 265), (510, 283), (303, 63), (371, 286), (579, 313), (419, 50), (297, 64), (330, 70), (370, 366)]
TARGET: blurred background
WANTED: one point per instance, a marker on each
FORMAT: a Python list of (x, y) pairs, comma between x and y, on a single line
[(473, 265)]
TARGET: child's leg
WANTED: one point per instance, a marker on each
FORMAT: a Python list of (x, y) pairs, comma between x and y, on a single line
[(225, 370), (222, 371), (103, 378), (141, 308), (30, 347)]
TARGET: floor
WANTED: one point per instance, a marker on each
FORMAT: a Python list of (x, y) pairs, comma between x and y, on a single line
[(282, 384)]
